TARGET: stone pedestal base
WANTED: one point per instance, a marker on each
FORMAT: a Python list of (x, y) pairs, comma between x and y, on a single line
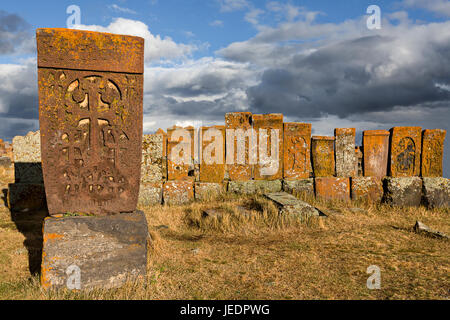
[(403, 191), (436, 192), (94, 252)]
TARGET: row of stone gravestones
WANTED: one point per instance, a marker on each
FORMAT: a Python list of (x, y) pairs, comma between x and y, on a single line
[(386, 167)]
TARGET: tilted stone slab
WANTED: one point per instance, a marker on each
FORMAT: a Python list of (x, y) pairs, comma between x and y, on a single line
[(104, 251), (436, 192), (153, 164), (330, 188), (150, 193), (432, 152), (346, 162), (212, 167), (290, 205), (402, 191), (367, 189), (376, 153), (90, 115), (297, 151), (299, 188), (269, 130), (177, 192), (322, 151), (240, 146), (255, 186), (406, 145)]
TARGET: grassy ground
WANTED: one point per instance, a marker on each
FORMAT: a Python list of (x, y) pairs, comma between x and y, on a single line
[(258, 255)]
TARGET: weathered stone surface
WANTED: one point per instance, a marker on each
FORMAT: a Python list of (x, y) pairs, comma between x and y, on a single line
[(180, 152), (297, 151), (26, 196), (300, 188), (405, 151), (240, 146), (206, 191), (421, 228), (177, 192), (164, 134), (359, 157), (330, 188), (6, 149), (402, 191), (107, 251), (150, 193), (367, 189), (255, 186), (376, 153), (436, 192), (212, 168), (153, 164), (269, 130), (288, 204), (6, 171), (27, 158), (90, 114), (432, 152), (346, 162), (322, 152)]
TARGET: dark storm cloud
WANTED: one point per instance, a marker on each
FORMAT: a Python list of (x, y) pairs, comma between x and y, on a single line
[(15, 34)]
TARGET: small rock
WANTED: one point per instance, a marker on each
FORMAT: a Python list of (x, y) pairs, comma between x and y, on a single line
[(422, 228), (289, 204), (195, 251)]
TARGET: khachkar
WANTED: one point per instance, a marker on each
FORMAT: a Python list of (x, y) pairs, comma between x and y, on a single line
[(90, 112)]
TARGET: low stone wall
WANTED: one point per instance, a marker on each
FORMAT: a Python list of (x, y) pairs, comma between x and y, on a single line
[(402, 166)]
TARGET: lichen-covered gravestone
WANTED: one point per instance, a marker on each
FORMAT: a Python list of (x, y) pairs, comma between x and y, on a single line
[(297, 150), (406, 145), (346, 161), (322, 151), (90, 112)]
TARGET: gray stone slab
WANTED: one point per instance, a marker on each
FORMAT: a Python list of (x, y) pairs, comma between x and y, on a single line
[(303, 187), (402, 191), (255, 186), (288, 204), (150, 193), (100, 252), (436, 192)]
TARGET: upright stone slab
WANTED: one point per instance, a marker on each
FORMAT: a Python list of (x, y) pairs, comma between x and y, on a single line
[(91, 252), (90, 113), (164, 135), (297, 151), (180, 152), (436, 192), (432, 152), (240, 146), (177, 192), (212, 167), (269, 130), (367, 189), (405, 151), (346, 162), (331, 188), (322, 151), (402, 191), (359, 157), (152, 169), (376, 153)]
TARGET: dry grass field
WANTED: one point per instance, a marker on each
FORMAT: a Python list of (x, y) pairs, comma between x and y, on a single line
[(257, 254)]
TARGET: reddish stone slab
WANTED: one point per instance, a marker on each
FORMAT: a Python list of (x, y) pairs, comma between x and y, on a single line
[(376, 153), (90, 120), (322, 151), (405, 151), (212, 168), (432, 152), (331, 188), (297, 151), (240, 144), (178, 192), (346, 161), (269, 130), (367, 189), (180, 152)]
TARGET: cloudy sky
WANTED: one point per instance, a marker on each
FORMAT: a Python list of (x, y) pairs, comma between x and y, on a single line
[(312, 60)]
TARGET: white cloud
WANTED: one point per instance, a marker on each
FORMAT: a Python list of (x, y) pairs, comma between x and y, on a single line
[(116, 8), (233, 5), (216, 23), (156, 47)]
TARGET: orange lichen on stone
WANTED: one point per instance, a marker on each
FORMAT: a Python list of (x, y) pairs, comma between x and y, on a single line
[(331, 188), (164, 134), (322, 151), (297, 151), (405, 151), (376, 153), (432, 152), (67, 48), (346, 161), (212, 167), (269, 132), (239, 140), (180, 152), (178, 191), (367, 189)]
